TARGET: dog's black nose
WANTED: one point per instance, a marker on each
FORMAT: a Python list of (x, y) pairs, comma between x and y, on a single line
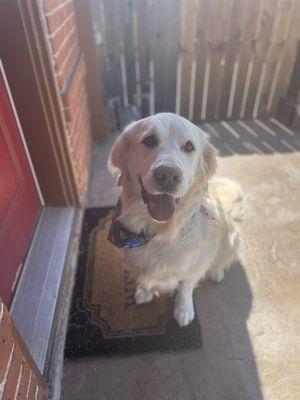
[(167, 178)]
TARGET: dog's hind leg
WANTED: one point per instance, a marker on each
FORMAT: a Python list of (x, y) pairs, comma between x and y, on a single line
[(227, 255)]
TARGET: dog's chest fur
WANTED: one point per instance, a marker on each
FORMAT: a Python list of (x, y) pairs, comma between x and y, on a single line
[(162, 264)]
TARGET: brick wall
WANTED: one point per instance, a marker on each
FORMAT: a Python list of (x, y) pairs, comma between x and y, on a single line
[(19, 378), (69, 69)]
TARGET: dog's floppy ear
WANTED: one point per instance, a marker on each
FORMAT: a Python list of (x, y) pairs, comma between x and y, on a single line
[(210, 159), (117, 160), (207, 163), (117, 157)]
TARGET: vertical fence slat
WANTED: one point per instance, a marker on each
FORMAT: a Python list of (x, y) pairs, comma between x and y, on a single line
[(202, 56), (126, 40), (112, 38), (187, 43), (171, 56), (165, 35), (124, 52), (178, 85), (233, 45), (143, 11), (219, 31), (158, 49), (98, 9), (288, 58), (192, 90), (137, 64), (219, 37), (251, 10), (281, 30), (287, 35), (261, 39)]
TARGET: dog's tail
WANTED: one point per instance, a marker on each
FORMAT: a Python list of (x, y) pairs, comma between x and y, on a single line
[(231, 196)]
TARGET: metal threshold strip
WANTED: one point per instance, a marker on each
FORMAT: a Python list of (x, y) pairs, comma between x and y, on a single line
[(34, 305)]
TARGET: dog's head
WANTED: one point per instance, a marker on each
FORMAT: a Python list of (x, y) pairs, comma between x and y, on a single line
[(163, 155)]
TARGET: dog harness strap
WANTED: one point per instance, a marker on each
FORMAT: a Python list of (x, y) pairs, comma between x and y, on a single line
[(122, 237)]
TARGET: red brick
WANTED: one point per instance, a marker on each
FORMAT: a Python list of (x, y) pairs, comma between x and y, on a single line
[(55, 20), (42, 395), (24, 382), (84, 148), (14, 362), (13, 374), (69, 61), (32, 388), (77, 121), (49, 5), (75, 101), (77, 83), (61, 34), (60, 54), (76, 105), (63, 74), (6, 341), (64, 38)]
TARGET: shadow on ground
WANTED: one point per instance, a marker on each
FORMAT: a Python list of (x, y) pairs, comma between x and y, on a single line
[(224, 368)]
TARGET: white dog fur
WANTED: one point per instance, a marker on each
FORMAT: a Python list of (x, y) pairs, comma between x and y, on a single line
[(192, 244)]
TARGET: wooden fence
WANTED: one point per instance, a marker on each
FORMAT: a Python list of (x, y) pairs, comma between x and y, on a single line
[(204, 59)]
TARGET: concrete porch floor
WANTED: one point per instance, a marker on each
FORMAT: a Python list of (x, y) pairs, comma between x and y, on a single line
[(237, 360)]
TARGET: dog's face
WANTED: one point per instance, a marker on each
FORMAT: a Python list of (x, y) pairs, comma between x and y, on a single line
[(163, 154)]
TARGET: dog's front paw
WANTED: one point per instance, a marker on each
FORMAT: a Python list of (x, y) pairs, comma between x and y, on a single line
[(184, 315), (216, 275), (143, 296)]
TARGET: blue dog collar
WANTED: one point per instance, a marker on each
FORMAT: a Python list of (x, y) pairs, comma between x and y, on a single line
[(122, 237)]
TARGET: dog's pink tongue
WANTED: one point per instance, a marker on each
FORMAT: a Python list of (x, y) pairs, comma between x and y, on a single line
[(161, 207)]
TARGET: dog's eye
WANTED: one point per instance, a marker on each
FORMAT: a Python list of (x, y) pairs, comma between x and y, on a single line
[(188, 147), (150, 141)]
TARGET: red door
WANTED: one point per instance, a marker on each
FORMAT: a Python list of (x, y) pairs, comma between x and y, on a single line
[(19, 200)]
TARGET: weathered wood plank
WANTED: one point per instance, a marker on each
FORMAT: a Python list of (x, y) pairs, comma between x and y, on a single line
[(281, 32), (127, 46), (245, 58), (263, 33), (286, 61), (219, 30), (143, 27), (187, 53), (234, 41), (202, 57), (100, 20), (112, 43), (165, 31)]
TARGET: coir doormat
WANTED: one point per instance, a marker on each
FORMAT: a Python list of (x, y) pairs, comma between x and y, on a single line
[(104, 318)]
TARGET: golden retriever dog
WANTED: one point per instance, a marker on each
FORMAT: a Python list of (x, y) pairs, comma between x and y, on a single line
[(175, 221)]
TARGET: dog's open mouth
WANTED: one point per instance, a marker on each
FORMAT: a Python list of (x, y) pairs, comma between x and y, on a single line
[(161, 207)]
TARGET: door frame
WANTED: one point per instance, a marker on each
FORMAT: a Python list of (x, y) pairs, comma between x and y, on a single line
[(37, 186), (36, 97)]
